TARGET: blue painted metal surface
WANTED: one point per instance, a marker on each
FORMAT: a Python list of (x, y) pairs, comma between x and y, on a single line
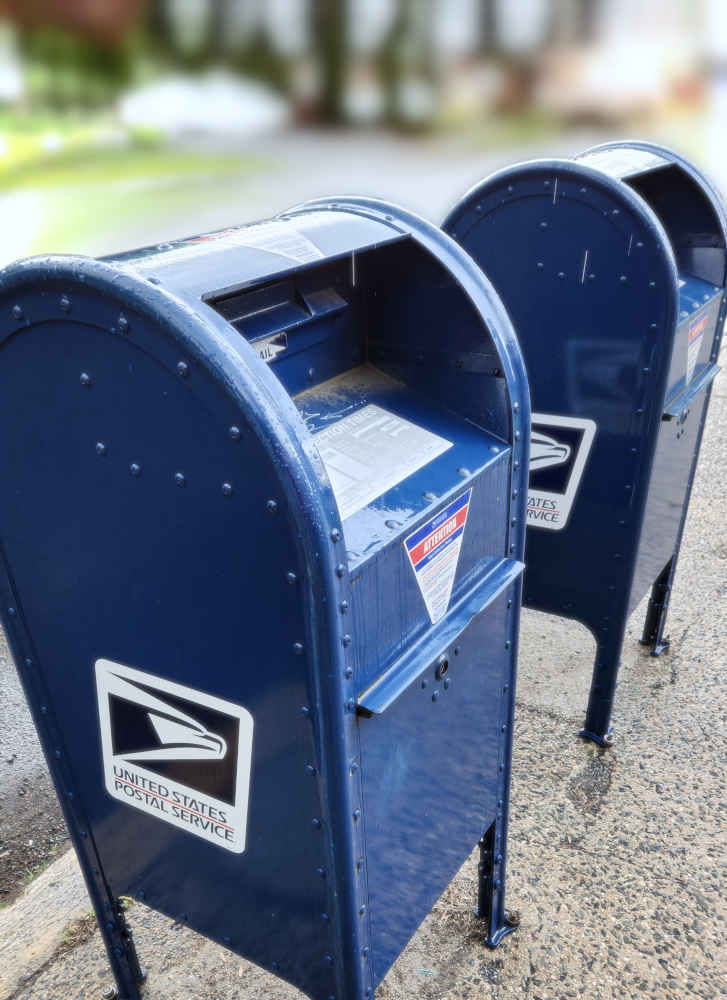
[(613, 268), (255, 721)]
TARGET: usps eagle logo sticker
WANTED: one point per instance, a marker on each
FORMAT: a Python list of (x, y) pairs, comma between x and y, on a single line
[(559, 450), (178, 754), (433, 551)]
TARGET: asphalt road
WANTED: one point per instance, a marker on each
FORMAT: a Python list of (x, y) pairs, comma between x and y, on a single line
[(427, 176)]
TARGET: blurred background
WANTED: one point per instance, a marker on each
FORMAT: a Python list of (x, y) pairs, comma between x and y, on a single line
[(124, 122)]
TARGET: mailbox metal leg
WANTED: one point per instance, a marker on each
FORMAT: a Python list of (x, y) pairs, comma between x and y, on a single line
[(597, 728), (116, 933), (653, 634), (124, 960), (491, 893), (656, 613)]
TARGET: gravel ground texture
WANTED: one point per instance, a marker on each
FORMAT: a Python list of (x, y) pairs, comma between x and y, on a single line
[(618, 858), (27, 798)]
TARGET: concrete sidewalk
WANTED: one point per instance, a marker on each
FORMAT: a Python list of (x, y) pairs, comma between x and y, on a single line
[(618, 860)]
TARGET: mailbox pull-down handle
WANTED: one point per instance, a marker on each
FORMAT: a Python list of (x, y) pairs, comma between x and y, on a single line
[(427, 653), (678, 408)]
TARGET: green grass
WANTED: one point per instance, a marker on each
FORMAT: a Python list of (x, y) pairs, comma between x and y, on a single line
[(39, 122), (76, 217), (25, 139), (80, 167), (85, 177), (31, 874), (79, 931)]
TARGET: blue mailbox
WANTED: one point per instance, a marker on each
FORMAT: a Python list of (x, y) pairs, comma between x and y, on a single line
[(612, 266), (262, 531)]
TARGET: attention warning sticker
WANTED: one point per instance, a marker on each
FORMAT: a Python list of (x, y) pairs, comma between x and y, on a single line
[(433, 551), (175, 753), (694, 342)]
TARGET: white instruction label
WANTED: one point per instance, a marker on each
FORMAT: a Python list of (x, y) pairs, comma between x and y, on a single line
[(277, 237), (623, 161), (270, 347), (176, 753), (368, 452), (433, 551)]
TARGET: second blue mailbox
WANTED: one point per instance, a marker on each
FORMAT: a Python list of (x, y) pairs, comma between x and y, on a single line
[(262, 539), (613, 267)]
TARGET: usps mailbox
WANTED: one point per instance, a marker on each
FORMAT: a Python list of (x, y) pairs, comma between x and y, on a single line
[(612, 266), (262, 535)]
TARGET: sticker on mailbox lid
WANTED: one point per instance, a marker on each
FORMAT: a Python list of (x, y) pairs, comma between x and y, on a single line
[(694, 342), (433, 551), (275, 236), (371, 451), (175, 753)]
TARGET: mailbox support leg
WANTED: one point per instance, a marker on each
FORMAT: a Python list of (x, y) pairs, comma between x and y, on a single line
[(125, 965), (597, 728), (490, 894), (656, 612), (661, 592)]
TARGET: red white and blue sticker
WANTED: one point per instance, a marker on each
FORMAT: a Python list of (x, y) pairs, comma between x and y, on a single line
[(694, 342), (433, 551)]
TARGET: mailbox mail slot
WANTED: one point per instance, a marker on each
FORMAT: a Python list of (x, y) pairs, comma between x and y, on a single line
[(612, 266), (262, 535)]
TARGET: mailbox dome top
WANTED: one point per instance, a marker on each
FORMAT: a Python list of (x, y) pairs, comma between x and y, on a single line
[(169, 294), (472, 279), (534, 189), (633, 153), (657, 197)]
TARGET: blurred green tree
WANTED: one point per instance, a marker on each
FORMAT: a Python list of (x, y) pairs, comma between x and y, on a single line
[(329, 33), (258, 57), (408, 54), (489, 42), (66, 69), (253, 54)]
